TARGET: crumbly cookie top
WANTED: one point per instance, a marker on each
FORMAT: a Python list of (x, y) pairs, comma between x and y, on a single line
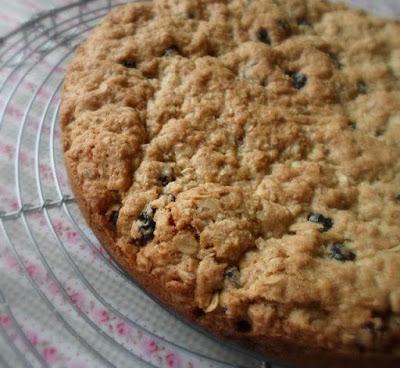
[(246, 152)]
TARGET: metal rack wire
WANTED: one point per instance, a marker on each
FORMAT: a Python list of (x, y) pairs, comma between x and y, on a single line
[(52, 257)]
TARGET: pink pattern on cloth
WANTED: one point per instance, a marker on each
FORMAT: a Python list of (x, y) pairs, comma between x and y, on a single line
[(9, 260), (14, 111), (173, 360), (72, 236), (6, 149), (123, 329), (58, 226), (10, 20), (150, 347), (14, 204), (45, 171), (33, 271), (50, 354), (102, 315), (53, 287), (33, 337), (5, 321), (77, 298)]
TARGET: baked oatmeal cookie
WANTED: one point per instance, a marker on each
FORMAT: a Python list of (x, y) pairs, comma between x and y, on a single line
[(240, 159)]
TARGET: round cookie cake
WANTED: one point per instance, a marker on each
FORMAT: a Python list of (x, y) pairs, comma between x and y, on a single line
[(240, 160)]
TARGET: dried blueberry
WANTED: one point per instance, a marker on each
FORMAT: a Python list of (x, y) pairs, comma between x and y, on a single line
[(284, 25), (335, 60), (171, 51), (129, 63), (198, 312), (166, 175), (164, 180), (339, 252), (375, 326), (317, 218), (263, 36), (114, 218), (233, 275), (380, 321), (362, 87), (243, 326), (146, 225), (299, 80), (304, 22), (212, 52)]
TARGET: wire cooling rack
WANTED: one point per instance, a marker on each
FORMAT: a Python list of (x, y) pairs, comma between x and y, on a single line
[(63, 301)]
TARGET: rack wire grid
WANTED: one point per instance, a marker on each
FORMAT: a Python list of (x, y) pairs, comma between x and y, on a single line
[(63, 301)]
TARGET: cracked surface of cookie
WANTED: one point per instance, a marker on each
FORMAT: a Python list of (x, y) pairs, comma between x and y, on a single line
[(240, 159)]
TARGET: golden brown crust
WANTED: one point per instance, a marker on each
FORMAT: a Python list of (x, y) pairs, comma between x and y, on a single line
[(242, 166)]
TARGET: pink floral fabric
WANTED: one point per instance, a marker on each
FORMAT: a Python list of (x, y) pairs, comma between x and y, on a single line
[(63, 301)]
